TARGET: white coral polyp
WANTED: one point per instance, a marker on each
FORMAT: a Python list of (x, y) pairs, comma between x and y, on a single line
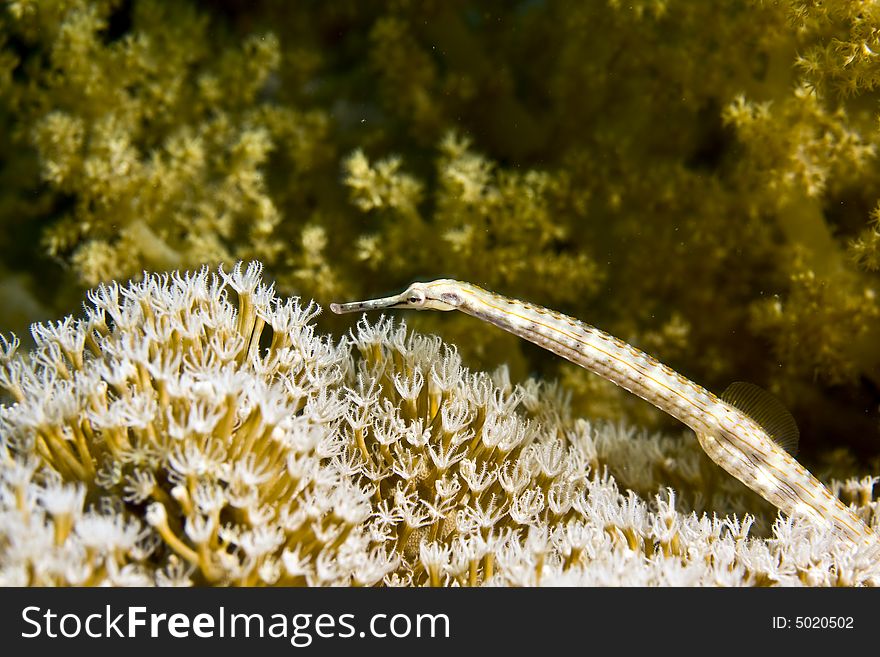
[(160, 440)]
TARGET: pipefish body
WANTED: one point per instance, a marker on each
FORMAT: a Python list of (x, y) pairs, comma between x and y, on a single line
[(746, 430)]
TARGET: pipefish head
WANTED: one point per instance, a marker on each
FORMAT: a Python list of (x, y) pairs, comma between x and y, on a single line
[(436, 295)]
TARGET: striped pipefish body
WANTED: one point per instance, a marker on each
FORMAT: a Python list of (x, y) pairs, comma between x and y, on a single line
[(746, 431)]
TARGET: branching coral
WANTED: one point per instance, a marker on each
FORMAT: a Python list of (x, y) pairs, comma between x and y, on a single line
[(159, 138), (196, 428), (478, 210)]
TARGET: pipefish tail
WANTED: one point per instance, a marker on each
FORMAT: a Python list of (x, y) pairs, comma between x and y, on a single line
[(746, 431)]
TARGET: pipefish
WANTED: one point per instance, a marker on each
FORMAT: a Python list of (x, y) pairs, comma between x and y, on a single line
[(746, 430)]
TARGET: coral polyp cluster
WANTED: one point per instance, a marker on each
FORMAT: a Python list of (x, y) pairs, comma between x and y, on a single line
[(195, 428), (699, 179)]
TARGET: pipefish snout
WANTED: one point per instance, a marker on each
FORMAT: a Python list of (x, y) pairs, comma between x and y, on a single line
[(746, 430)]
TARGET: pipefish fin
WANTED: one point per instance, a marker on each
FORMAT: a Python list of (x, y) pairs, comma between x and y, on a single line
[(767, 411)]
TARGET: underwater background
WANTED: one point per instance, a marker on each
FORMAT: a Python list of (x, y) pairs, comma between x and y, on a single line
[(698, 179)]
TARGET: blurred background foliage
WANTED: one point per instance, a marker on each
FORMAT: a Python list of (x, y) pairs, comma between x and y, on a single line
[(699, 179)]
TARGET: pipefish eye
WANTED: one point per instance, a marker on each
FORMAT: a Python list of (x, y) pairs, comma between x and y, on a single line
[(415, 297)]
